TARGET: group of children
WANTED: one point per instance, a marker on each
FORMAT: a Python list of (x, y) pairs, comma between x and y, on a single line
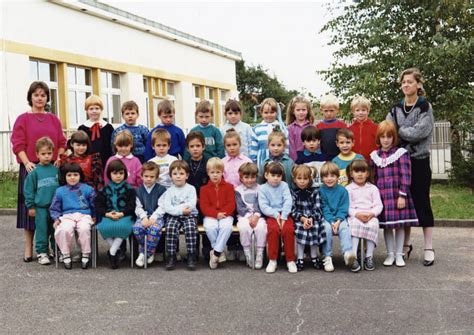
[(287, 184)]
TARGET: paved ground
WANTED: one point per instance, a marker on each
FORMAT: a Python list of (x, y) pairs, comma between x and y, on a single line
[(234, 299)]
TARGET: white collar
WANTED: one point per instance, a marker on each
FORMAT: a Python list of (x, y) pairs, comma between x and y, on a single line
[(88, 123), (384, 162), (129, 156)]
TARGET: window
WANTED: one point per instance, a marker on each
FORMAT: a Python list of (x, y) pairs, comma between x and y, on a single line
[(170, 91), (222, 101), (47, 72), (197, 95), (79, 89), (210, 97), (110, 89)]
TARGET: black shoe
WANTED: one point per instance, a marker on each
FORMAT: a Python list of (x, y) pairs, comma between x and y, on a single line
[(67, 265), (299, 265), (191, 262), (113, 260), (355, 267), (27, 259), (84, 264), (317, 263), (369, 264), (431, 262), (170, 263), (410, 249), (122, 252)]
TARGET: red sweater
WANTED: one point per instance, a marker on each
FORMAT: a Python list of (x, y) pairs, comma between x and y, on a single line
[(364, 137), (217, 199)]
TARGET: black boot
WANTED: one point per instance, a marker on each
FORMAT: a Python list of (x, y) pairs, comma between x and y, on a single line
[(170, 263), (191, 262)]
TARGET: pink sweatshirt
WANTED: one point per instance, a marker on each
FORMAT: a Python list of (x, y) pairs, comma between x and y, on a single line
[(134, 169), (294, 137), (231, 168)]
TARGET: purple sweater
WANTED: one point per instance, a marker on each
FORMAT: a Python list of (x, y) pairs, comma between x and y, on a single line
[(134, 170), (294, 137)]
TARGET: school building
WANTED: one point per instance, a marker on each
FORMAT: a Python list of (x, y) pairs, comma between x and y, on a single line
[(87, 47)]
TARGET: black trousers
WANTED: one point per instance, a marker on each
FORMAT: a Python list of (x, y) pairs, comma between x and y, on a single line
[(420, 190)]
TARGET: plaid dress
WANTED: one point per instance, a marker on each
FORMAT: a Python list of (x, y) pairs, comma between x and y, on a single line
[(393, 178), (307, 203)]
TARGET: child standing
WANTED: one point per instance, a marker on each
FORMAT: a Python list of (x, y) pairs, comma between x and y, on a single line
[(363, 128), (335, 203), (271, 115), (298, 116), (91, 164), (217, 202), (40, 185), (330, 125), (233, 159), (72, 210), (139, 132), (161, 142), (249, 217), (212, 135), (307, 215), (98, 130), (233, 115), (364, 207), (274, 199), (392, 169), (123, 148), (345, 142), (312, 155), (149, 216), (179, 203), (166, 114), (276, 153), (115, 205)]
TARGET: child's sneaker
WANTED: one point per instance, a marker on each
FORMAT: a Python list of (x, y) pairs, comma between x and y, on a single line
[(317, 263), (327, 263), (369, 263), (291, 267), (349, 258), (389, 260), (43, 259), (140, 262), (271, 267), (355, 266), (399, 261), (150, 259), (67, 263), (299, 265), (213, 260), (191, 262), (170, 263), (84, 262), (259, 261)]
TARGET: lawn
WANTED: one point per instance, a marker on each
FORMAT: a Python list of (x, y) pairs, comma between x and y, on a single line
[(448, 201)]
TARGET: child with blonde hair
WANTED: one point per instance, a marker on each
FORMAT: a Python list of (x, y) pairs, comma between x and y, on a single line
[(329, 125), (363, 128), (299, 115)]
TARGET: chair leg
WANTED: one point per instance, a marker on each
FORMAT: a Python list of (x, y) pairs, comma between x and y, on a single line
[(56, 254), (145, 250), (253, 246), (362, 256), (94, 246), (131, 242)]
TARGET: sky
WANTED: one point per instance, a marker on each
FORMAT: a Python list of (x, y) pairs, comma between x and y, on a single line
[(283, 37)]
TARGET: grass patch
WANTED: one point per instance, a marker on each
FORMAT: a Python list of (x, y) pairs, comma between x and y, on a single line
[(452, 202), (8, 190)]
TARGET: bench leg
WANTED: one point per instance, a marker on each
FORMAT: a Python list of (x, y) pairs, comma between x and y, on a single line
[(362, 256), (145, 249), (56, 254), (94, 246), (131, 244)]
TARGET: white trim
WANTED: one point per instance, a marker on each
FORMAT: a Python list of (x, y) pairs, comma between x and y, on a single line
[(384, 162)]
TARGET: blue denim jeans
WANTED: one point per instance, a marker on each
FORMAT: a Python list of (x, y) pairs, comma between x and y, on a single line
[(344, 232), (218, 231)]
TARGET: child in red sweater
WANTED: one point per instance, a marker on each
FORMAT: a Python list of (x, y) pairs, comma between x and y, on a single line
[(364, 129), (217, 201)]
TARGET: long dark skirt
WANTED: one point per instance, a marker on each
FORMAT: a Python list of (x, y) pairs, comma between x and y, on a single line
[(23, 221), (420, 191)]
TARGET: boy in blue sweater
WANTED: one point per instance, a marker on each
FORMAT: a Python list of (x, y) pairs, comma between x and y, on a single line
[(140, 133), (335, 204)]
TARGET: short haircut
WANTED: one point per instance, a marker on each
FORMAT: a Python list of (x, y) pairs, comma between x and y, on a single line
[(290, 111), (360, 101), (215, 163), (277, 134), (116, 165), (328, 101), (232, 105), (44, 142), (33, 87), (304, 170), (329, 168), (195, 135), (386, 128), (248, 169), (93, 100), (162, 135), (344, 132), (359, 165), (70, 168), (418, 77), (151, 166), (232, 133), (79, 137), (179, 165), (270, 102), (165, 107), (310, 133), (129, 105), (204, 106), (274, 168), (123, 138)]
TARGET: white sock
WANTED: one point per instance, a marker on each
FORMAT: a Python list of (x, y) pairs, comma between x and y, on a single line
[(388, 235), (370, 248), (313, 251), (300, 250), (115, 246), (355, 244), (110, 241), (400, 238)]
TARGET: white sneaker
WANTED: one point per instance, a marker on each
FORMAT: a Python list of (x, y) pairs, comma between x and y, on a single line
[(291, 267), (399, 261), (271, 267), (43, 259), (327, 262), (389, 260), (259, 261), (140, 262), (150, 259), (349, 258), (160, 258), (222, 258), (213, 260)]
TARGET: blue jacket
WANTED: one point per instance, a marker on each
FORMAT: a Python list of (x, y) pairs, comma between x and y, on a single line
[(79, 198)]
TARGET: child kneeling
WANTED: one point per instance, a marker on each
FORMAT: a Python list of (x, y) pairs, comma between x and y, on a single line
[(72, 209)]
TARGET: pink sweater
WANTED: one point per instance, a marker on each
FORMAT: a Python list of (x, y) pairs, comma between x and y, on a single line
[(28, 129), (231, 168), (364, 199), (134, 169)]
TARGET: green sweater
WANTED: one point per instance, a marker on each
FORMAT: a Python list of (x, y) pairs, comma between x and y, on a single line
[(40, 185)]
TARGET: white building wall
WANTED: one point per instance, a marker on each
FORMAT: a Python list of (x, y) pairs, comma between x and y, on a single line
[(132, 89)]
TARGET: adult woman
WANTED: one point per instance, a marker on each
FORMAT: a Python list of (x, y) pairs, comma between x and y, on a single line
[(413, 117), (28, 128)]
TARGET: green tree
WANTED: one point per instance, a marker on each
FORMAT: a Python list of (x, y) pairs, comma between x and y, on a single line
[(378, 39)]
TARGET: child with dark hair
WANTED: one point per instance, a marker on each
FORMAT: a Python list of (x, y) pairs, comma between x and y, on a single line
[(233, 114), (345, 142), (72, 210), (115, 205)]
